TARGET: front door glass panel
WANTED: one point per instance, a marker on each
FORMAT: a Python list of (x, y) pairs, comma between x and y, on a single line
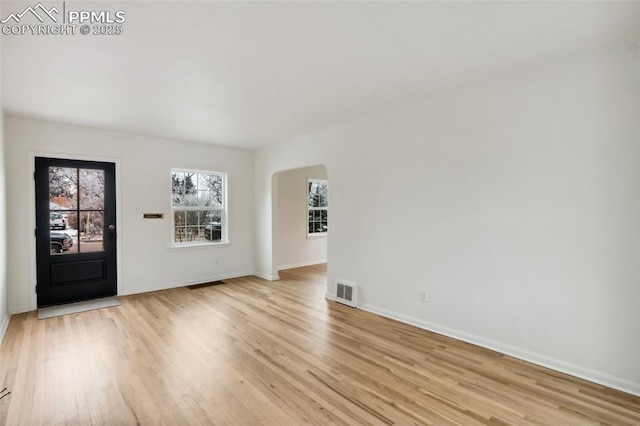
[(76, 210)]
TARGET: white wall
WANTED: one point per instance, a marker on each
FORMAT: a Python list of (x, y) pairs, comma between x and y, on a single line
[(513, 203), (146, 261), (4, 317), (293, 247)]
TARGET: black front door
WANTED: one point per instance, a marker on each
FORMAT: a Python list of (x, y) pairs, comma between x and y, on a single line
[(75, 230)]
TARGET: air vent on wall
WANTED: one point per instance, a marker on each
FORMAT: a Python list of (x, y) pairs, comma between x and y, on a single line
[(347, 294)]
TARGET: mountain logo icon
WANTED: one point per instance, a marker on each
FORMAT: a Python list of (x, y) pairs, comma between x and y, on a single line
[(38, 11)]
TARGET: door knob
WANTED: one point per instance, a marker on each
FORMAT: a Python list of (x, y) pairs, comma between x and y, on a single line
[(112, 227)]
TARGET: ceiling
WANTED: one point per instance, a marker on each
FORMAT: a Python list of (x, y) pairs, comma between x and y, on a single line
[(248, 74)]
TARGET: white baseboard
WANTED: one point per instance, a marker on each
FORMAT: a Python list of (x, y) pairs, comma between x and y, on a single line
[(302, 264), (192, 282), (3, 326), (214, 278), (266, 276), (591, 375), (19, 310), (331, 296)]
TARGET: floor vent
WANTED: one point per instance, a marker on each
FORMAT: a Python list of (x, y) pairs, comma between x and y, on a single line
[(347, 294)]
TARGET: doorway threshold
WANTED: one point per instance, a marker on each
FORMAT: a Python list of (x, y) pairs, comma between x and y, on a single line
[(76, 307)]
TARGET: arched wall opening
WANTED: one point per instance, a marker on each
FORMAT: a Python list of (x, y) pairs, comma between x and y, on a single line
[(294, 245)]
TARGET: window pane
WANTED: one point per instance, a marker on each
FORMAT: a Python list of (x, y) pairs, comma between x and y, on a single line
[(203, 181), (190, 199), (179, 218), (58, 220), (212, 231), (183, 189), (205, 198), (195, 199), (177, 188), (179, 234), (323, 215), (190, 233), (211, 182), (72, 222), (192, 218), (175, 198), (91, 188), (177, 181), (196, 189), (317, 193), (91, 231), (213, 216), (63, 188)]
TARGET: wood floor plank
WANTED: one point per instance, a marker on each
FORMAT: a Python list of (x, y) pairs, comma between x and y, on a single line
[(253, 352)]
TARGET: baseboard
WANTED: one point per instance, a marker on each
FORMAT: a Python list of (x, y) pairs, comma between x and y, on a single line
[(331, 296), (266, 276), (595, 376), (19, 310), (214, 278), (192, 282), (302, 264), (3, 326)]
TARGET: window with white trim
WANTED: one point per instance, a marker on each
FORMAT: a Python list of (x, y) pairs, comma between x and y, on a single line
[(317, 207), (198, 207)]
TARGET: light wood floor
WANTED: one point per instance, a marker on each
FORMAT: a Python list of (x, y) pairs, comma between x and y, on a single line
[(254, 352)]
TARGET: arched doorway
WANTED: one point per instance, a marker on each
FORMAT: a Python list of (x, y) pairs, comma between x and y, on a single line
[(300, 217)]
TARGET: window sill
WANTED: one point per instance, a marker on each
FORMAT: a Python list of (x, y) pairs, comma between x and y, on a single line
[(197, 246), (317, 235)]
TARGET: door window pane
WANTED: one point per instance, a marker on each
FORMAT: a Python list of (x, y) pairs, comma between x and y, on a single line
[(91, 231), (63, 188), (91, 185), (63, 232), (62, 243)]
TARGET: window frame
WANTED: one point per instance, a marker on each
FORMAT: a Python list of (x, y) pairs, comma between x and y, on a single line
[(309, 209), (224, 211)]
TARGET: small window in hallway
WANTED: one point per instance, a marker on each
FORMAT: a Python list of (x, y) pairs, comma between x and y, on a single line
[(317, 207)]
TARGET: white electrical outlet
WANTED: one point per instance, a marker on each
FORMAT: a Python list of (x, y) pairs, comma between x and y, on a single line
[(424, 296)]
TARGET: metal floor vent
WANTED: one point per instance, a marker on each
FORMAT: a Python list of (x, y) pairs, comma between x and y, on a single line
[(347, 294)]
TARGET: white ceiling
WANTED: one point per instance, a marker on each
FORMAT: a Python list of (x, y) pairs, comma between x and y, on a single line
[(247, 74)]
